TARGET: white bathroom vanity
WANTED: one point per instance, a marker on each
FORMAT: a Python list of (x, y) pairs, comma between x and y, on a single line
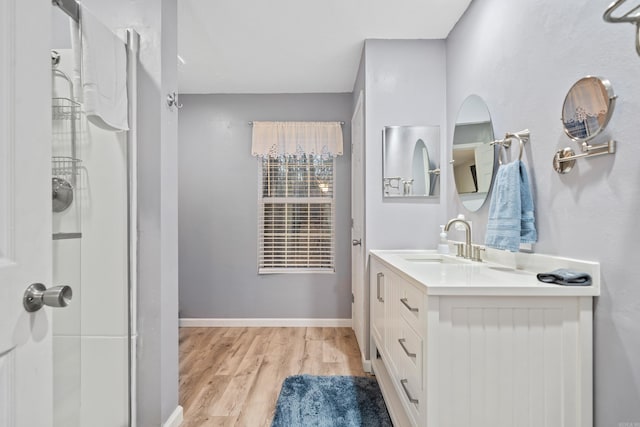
[(457, 343)]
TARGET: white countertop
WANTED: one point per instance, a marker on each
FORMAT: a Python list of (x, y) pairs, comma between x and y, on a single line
[(503, 274)]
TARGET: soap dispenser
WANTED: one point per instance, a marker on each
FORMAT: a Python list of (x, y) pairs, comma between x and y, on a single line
[(443, 246)]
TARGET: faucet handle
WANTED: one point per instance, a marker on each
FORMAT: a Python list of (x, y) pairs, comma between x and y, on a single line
[(476, 252), (459, 249)]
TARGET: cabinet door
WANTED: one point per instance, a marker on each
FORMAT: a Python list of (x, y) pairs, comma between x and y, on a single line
[(379, 275)]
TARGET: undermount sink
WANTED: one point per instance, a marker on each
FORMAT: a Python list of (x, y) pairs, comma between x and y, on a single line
[(424, 259), (507, 269), (432, 258)]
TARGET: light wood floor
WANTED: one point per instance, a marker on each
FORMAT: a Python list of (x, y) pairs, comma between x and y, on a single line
[(232, 376)]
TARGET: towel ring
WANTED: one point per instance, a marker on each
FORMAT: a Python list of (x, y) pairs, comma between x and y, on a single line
[(502, 143), (522, 137), (516, 136), (500, 150)]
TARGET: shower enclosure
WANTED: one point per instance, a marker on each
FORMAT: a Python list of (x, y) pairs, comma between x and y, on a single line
[(92, 181)]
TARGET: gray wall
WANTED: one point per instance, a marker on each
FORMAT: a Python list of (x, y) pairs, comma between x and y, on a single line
[(405, 84), (157, 320), (522, 58), (218, 212)]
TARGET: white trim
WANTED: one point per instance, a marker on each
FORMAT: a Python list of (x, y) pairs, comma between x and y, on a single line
[(133, 373), (212, 323), (7, 133), (366, 365), (175, 419), (133, 48)]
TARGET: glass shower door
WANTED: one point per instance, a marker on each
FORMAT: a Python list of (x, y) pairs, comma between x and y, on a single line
[(90, 254), (66, 249)]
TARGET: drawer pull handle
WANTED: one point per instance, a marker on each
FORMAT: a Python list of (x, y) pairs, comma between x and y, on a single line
[(401, 341), (378, 295), (406, 304), (406, 391)]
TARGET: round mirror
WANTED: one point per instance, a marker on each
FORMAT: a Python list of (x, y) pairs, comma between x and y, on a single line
[(420, 167), (472, 153), (587, 108)]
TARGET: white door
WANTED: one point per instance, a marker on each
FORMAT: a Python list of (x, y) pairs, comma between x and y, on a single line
[(359, 313), (484, 154), (25, 211)]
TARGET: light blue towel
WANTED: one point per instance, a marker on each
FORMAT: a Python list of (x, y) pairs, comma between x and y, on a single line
[(528, 232), (511, 218)]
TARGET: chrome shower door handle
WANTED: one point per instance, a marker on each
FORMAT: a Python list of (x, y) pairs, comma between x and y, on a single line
[(37, 295)]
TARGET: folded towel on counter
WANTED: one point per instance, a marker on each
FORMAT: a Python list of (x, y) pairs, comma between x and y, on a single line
[(565, 277), (511, 214), (104, 72)]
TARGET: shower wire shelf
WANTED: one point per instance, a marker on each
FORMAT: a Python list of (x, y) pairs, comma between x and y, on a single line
[(65, 109), (65, 167)]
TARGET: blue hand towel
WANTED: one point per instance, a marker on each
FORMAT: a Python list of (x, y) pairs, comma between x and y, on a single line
[(528, 232), (565, 277), (511, 215), (503, 227)]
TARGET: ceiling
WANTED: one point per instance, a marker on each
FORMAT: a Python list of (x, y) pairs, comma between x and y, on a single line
[(294, 46)]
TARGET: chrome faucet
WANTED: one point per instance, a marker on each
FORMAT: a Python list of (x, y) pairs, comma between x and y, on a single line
[(467, 251)]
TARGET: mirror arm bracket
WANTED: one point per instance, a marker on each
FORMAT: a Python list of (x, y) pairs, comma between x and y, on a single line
[(564, 160), (606, 148), (590, 151)]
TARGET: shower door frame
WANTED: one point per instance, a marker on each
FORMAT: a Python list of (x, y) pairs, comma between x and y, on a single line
[(132, 47)]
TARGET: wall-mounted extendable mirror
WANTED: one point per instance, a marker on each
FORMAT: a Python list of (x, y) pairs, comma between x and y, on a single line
[(473, 155), (586, 110), (411, 161)]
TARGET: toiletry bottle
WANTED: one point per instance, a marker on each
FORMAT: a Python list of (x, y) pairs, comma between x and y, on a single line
[(443, 246)]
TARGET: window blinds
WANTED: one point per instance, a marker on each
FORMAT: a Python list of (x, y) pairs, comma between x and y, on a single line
[(296, 214)]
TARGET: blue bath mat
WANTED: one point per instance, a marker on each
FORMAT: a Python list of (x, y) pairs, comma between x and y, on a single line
[(330, 401)]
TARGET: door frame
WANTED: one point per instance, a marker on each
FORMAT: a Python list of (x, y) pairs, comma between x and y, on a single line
[(359, 278)]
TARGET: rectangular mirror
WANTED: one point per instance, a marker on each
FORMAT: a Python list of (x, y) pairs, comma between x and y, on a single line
[(411, 161)]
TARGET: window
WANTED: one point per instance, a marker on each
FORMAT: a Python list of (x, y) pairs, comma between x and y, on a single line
[(296, 214), (296, 217)]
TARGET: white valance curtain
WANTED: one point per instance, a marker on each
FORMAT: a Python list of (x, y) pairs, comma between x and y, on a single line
[(274, 139)]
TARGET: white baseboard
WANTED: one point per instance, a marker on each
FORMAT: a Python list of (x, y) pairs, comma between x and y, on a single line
[(366, 365), (227, 323), (175, 419)]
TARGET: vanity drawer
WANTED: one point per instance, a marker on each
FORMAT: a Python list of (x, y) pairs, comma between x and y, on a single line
[(408, 353), (411, 304), (412, 398), (408, 373)]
